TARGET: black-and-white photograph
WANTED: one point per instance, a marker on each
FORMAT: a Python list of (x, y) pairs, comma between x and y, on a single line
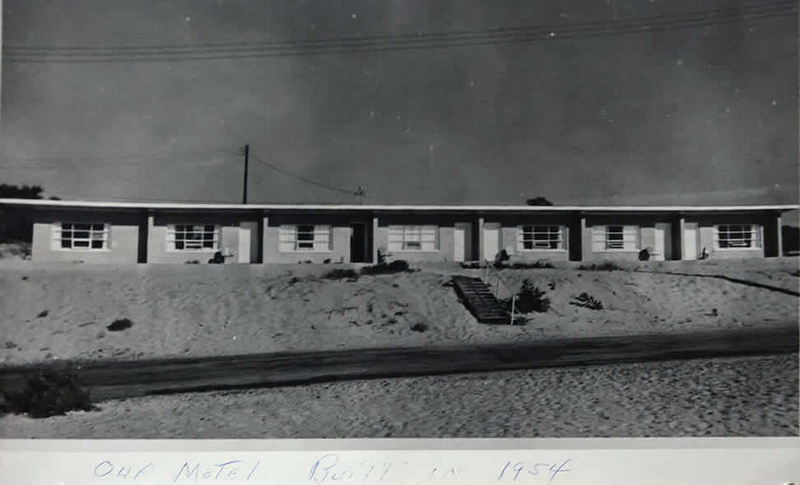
[(399, 219)]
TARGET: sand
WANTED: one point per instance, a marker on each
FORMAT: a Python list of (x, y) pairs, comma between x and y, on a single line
[(753, 396), (61, 311)]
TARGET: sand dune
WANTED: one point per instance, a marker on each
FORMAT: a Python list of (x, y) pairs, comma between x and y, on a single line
[(61, 311)]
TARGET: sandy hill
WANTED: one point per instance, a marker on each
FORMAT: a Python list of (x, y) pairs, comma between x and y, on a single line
[(62, 311)]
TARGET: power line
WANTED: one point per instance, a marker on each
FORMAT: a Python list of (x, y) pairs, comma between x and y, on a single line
[(300, 177), (395, 42), (66, 162)]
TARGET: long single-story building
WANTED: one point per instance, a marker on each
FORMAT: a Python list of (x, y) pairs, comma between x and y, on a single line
[(127, 232)]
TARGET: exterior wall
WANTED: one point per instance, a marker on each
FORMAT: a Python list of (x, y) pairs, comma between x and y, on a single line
[(158, 252), (123, 238), (341, 234), (445, 250), (646, 223), (707, 234), (509, 235)]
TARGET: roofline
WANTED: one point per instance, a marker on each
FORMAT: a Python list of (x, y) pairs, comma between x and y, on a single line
[(354, 207)]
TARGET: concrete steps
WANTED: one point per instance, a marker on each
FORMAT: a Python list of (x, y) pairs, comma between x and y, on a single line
[(480, 301)]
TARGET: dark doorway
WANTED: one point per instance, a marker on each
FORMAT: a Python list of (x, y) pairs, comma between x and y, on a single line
[(358, 243)]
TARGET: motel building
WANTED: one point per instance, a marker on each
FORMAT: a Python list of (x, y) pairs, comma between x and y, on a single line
[(122, 232)]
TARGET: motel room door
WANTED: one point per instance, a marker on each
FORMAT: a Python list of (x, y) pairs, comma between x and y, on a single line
[(662, 242), (248, 246), (690, 235), (358, 243), (462, 239), (491, 240)]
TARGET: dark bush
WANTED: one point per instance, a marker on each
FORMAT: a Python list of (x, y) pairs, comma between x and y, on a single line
[(586, 300), (534, 265), (397, 266), (43, 314), (120, 324), (604, 266), (49, 393), (419, 327), (341, 274), (531, 299), (644, 255)]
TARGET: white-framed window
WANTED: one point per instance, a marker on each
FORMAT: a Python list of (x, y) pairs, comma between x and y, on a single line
[(81, 236), (615, 238), (305, 237), (738, 236), (193, 237), (540, 238), (413, 238)]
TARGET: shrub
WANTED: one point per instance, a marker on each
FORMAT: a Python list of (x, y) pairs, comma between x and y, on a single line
[(586, 300), (120, 324), (341, 274), (396, 266), (531, 299), (604, 266), (535, 265), (419, 327), (49, 393)]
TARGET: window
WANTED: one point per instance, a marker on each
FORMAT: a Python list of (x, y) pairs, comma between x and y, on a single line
[(615, 238), (532, 238), (305, 237), (193, 237), (412, 238), (738, 236), (82, 236)]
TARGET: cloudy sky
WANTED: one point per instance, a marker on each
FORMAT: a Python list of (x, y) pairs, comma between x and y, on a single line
[(691, 115)]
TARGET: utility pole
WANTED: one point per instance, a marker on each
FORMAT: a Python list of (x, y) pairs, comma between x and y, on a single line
[(360, 193), (246, 153)]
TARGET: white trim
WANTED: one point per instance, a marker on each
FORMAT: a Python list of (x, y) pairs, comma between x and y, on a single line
[(521, 238), (287, 234), (170, 239), (520, 208), (756, 231), (407, 235), (58, 228)]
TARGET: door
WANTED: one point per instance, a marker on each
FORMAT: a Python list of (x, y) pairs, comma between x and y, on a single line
[(661, 250), (462, 249), (690, 234), (247, 233), (491, 240), (358, 242)]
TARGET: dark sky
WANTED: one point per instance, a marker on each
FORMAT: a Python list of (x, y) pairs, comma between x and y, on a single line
[(704, 115)]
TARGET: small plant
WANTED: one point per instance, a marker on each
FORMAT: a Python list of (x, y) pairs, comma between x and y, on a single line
[(604, 266), (43, 314), (341, 274), (586, 300), (540, 264), (396, 266), (531, 299), (49, 393), (120, 324), (419, 327)]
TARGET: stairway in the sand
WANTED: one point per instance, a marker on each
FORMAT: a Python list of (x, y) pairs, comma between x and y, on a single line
[(479, 300)]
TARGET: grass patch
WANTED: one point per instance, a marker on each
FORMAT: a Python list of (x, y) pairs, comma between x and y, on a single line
[(604, 266), (120, 324), (49, 393), (341, 274), (586, 300), (397, 266)]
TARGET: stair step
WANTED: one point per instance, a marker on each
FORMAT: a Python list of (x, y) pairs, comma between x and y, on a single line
[(480, 301)]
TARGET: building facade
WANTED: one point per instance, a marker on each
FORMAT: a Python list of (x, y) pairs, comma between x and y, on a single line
[(115, 232)]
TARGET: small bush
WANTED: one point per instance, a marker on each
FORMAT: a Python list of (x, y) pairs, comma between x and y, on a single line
[(43, 314), (531, 299), (341, 274), (396, 266), (534, 265), (419, 327), (49, 393), (120, 324), (586, 300), (604, 266)]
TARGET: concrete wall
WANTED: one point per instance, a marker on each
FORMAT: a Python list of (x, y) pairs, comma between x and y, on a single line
[(123, 238), (646, 224), (707, 234), (158, 252), (509, 235), (445, 222), (341, 234)]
